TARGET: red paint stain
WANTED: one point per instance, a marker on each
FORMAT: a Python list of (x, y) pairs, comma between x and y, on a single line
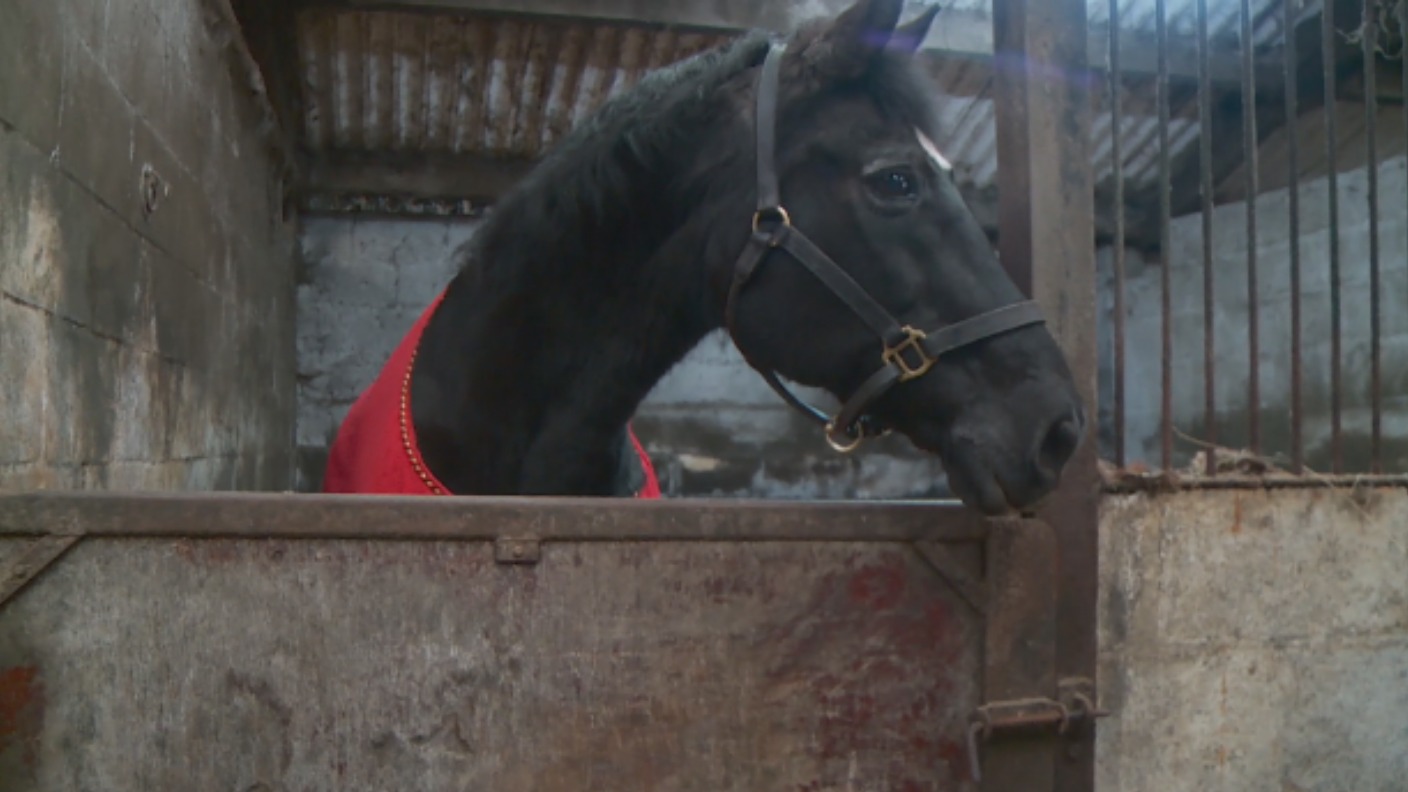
[(878, 587), (21, 710), (879, 659)]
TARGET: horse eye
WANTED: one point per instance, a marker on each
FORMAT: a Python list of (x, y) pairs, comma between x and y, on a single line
[(893, 184)]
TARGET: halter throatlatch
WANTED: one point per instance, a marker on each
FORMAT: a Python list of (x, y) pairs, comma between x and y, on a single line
[(906, 352)]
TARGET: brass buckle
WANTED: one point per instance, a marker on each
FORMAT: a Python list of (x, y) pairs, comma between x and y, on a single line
[(895, 355), (843, 448), (774, 214)]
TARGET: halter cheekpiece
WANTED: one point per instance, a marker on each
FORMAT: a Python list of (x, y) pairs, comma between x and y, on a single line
[(906, 352)]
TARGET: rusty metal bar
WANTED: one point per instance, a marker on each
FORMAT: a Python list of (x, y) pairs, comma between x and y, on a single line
[(1165, 276), (20, 570), (1046, 221), (1327, 58), (1370, 42), (1289, 63), (1019, 648), (1115, 81), (1074, 704), (1205, 125), (1249, 160), (257, 515)]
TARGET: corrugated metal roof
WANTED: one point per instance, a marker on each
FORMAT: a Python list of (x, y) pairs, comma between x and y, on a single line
[(386, 80), (510, 88)]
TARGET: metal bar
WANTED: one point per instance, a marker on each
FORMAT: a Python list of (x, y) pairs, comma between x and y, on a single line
[(256, 515), (1249, 160), (1165, 276), (1238, 481), (1327, 58), (1046, 193), (951, 569), (1293, 194), (1020, 657), (1370, 43), (1205, 123), (26, 565), (1116, 77)]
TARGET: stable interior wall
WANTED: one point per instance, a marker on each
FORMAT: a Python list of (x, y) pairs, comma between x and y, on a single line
[(146, 273), (712, 426), (1254, 640), (1232, 315)]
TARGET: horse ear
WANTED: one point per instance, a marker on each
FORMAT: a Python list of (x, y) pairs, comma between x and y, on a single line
[(910, 36), (846, 47)]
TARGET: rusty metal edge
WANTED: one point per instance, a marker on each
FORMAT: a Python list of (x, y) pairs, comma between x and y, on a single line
[(1020, 647), (950, 570), (298, 516), (1161, 483), (42, 553)]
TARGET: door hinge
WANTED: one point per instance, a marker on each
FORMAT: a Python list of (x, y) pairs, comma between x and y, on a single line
[(1074, 702)]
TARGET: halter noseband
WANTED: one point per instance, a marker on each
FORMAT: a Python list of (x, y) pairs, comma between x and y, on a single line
[(906, 353)]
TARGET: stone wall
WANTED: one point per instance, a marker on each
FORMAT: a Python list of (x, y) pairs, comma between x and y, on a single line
[(712, 426), (1254, 641), (146, 276)]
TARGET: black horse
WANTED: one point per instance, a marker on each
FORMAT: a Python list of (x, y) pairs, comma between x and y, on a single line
[(789, 190)]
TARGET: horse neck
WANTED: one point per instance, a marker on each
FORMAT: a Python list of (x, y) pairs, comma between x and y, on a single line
[(551, 336)]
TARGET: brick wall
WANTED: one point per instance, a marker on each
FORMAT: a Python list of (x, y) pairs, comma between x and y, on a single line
[(143, 343)]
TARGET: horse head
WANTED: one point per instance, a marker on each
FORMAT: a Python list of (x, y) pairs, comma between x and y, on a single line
[(866, 274)]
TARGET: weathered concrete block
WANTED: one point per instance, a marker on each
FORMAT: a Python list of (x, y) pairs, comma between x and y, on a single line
[(1227, 559), (181, 222), (187, 315), (1254, 641), (31, 71), (24, 385), (40, 219), (79, 423), (95, 134)]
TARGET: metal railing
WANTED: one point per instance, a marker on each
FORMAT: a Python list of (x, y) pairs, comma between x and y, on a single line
[(1276, 264)]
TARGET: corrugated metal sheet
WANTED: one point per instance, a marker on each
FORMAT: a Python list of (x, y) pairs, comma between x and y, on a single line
[(503, 87), (397, 81)]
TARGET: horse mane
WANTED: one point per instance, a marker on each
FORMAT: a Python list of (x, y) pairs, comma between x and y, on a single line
[(602, 185), (596, 181)]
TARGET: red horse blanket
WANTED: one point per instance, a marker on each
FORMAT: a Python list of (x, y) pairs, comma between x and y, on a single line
[(375, 450)]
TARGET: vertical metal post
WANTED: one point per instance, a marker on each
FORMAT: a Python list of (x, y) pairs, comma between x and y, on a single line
[(1205, 123), (1327, 59), (1293, 193), (1019, 647), (1165, 243), (1046, 232), (1370, 42), (1116, 87), (1249, 160)]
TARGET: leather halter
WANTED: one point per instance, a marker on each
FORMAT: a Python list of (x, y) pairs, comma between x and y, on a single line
[(906, 352)]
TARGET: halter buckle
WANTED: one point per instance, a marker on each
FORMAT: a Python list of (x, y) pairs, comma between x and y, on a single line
[(839, 447), (895, 355), (772, 214)]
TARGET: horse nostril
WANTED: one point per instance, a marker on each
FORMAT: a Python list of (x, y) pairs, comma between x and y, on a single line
[(1059, 444)]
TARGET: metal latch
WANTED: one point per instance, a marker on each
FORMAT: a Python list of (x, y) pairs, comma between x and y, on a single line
[(1076, 702)]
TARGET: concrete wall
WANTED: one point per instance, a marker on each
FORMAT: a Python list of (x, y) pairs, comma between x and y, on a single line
[(1254, 641), (712, 426), (1231, 320), (142, 344)]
